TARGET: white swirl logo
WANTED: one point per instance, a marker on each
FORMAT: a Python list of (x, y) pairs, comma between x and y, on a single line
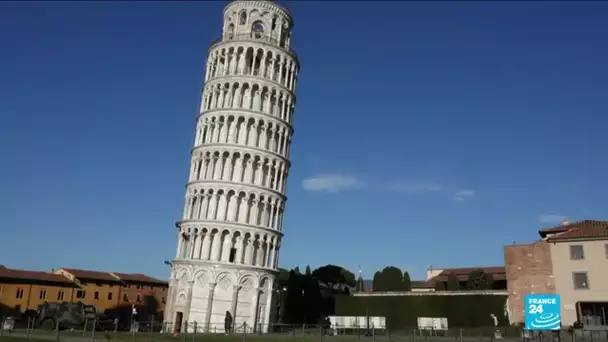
[(548, 321)]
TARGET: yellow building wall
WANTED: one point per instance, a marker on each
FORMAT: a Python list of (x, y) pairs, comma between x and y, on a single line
[(29, 296), (102, 296)]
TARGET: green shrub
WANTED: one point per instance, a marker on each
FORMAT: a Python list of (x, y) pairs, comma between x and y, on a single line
[(402, 312)]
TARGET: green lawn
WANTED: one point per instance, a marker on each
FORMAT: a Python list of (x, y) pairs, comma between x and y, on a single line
[(20, 339)]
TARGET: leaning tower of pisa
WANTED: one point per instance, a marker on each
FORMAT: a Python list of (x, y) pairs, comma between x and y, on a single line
[(229, 237)]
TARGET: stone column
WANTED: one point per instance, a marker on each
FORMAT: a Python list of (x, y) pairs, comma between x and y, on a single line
[(197, 245), (205, 246), (168, 314), (255, 308), (226, 248), (269, 295), (188, 302), (235, 298), (209, 306)]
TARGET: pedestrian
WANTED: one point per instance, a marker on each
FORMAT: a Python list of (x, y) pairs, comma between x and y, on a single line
[(228, 323)]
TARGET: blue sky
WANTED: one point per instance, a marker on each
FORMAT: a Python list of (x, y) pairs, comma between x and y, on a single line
[(427, 133)]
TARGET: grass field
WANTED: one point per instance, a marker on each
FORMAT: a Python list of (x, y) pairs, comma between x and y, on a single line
[(75, 336)]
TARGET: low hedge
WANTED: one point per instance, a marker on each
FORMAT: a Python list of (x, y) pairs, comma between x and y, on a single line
[(402, 312)]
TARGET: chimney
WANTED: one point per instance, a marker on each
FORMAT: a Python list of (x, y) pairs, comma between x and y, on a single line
[(565, 223)]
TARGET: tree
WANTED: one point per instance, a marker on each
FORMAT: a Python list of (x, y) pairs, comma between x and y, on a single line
[(453, 283), (392, 279), (407, 282), (307, 272), (312, 300), (377, 282), (293, 300), (479, 280), (439, 286), (334, 277), (283, 277), (297, 270)]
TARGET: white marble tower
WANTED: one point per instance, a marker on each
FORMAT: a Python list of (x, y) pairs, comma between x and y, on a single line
[(230, 234)]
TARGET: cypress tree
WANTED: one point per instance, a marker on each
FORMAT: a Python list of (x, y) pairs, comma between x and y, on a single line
[(407, 282)]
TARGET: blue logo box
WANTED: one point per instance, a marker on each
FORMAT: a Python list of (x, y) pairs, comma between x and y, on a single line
[(543, 312)]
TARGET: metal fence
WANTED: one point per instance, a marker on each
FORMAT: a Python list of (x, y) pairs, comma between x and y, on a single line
[(189, 332)]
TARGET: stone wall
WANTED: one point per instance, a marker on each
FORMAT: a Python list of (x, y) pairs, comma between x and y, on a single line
[(529, 270)]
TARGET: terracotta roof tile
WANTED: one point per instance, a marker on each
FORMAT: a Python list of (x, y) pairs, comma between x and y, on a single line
[(497, 272), (8, 273), (578, 230), (91, 275), (422, 284), (139, 278), (585, 224)]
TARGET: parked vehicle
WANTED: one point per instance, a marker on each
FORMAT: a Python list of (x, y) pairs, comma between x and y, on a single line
[(71, 316)]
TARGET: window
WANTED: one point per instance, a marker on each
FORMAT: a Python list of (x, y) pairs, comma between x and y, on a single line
[(576, 252), (580, 280), (139, 287), (138, 299), (164, 300), (230, 31), (151, 287), (232, 254), (109, 295), (19, 293), (60, 295), (257, 29), (243, 18), (81, 294), (125, 298), (43, 294), (96, 295)]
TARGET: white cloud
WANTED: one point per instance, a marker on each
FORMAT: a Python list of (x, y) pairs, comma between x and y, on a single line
[(332, 183), (413, 188), (551, 218), (464, 194)]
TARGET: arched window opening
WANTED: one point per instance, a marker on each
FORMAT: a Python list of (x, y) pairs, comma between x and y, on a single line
[(243, 18), (257, 29), (230, 31), (274, 23)]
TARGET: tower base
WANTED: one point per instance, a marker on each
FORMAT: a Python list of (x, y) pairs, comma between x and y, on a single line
[(200, 294)]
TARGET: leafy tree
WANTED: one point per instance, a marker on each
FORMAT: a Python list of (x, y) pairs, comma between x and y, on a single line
[(479, 280), (307, 272), (283, 277), (453, 283), (293, 299), (297, 270), (392, 279), (407, 282), (334, 277), (377, 282)]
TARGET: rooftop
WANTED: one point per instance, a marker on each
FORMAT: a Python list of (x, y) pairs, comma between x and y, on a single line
[(462, 273), (139, 278), (586, 229), (8, 273), (91, 275)]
